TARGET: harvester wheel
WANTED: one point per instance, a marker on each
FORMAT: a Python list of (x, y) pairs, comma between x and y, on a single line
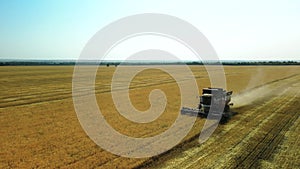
[(227, 108), (224, 119)]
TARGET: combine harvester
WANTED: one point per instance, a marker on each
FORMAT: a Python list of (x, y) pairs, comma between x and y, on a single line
[(214, 102)]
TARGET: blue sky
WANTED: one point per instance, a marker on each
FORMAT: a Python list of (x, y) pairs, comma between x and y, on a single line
[(56, 29)]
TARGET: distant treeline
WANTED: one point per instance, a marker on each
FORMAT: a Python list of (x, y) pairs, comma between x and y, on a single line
[(263, 63), (33, 63), (246, 63), (115, 63)]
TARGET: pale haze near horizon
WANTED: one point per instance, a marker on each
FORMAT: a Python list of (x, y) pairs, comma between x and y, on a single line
[(248, 30)]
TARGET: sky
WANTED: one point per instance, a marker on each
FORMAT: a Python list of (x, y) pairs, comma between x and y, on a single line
[(238, 30)]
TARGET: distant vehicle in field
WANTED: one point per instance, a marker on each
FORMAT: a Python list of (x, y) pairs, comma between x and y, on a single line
[(215, 101)]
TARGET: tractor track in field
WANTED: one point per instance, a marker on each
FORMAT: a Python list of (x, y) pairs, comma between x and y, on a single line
[(276, 129), (260, 130), (264, 149), (41, 97), (22, 99), (260, 142)]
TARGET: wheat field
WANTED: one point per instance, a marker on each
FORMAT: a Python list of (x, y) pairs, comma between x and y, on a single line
[(39, 127)]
